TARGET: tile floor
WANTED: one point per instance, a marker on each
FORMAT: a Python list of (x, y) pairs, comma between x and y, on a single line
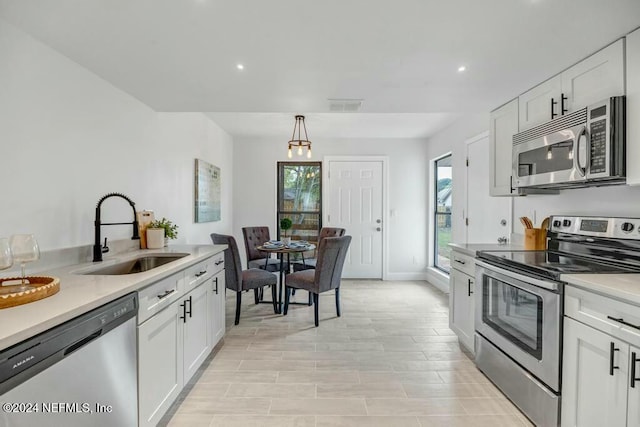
[(390, 360)]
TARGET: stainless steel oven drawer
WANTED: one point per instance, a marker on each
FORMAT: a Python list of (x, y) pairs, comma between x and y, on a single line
[(537, 402)]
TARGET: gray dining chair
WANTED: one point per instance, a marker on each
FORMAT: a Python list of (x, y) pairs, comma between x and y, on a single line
[(332, 252), (239, 280), (254, 237), (310, 263)]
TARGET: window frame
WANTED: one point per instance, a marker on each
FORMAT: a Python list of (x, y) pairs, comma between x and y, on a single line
[(280, 189), (437, 214)]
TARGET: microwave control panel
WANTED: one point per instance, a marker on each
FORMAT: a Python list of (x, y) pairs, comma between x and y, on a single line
[(598, 144)]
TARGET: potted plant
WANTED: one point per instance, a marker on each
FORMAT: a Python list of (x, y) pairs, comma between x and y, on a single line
[(285, 224), (159, 232)]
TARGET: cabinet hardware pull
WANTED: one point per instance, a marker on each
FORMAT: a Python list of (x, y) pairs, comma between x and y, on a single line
[(219, 262), (621, 320), (553, 104), (634, 360), (201, 273), (190, 306), (562, 109), (470, 283), (612, 350), (184, 312), (166, 293), (459, 261), (216, 280)]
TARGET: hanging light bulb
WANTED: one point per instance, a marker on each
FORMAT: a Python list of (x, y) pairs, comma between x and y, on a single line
[(300, 151), (309, 152), (549, 153), (289, 154)]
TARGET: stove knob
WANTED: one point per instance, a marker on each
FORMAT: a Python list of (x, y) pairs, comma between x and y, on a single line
[(627, 227), (566, 223), (557, 223)]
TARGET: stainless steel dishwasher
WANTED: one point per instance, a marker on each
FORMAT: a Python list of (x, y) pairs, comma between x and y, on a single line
[(80, 373)]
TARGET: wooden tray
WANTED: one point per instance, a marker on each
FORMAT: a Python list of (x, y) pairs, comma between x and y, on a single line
[(41, 287)]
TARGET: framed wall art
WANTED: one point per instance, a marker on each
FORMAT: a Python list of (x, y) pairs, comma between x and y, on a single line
[(207, 192)]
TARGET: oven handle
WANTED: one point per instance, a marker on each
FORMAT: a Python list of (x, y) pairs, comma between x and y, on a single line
[(551, 286)]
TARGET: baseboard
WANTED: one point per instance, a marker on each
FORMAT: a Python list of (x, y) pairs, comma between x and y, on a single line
[(438, 279), (407, 276)]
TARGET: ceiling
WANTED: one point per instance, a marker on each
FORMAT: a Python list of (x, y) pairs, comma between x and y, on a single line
[(400, 56)]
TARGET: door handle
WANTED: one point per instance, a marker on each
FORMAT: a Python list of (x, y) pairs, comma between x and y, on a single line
[(216, 280), (184, 311), (562, 100), (581, 151), (612, 350), (190, 305), (634, 360), (553, 105), (469, 292)]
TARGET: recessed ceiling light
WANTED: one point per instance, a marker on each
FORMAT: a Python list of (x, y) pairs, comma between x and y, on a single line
[(461, 68), (240, 67)]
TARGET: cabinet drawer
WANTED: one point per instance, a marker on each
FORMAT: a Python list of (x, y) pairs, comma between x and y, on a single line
[(464, 263), (198, 273), (160, 295), (616, 318), (217, 263)]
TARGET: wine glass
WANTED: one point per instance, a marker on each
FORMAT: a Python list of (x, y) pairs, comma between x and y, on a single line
[(25, 249), (6, 259)]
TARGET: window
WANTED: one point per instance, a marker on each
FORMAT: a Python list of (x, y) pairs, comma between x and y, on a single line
[(442, 213), (299, 198)]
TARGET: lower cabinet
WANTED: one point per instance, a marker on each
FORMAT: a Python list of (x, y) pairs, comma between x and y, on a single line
[(174, 341), (160, 366), (461, 299), (216, 301)]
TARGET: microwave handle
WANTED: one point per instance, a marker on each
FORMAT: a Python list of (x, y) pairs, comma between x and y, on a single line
[(580, 150)]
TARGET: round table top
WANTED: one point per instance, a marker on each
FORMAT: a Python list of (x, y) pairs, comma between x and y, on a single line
[(286, 249)]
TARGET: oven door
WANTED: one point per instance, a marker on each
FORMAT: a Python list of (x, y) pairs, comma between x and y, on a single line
[(522, 317), (557, 158)]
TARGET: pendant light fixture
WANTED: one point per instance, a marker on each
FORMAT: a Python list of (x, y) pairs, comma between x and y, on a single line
[(299, 142)]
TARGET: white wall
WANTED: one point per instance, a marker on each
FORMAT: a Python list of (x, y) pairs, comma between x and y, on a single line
[(255, 191), (67, 137)]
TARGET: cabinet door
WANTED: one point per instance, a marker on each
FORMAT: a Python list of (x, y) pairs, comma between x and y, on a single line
[(461, 307), (535, 105), (595, 78), (633, 108), (160, 376), (503, 125), (196, 330), (633, 402), (215, 296), (591, 396)]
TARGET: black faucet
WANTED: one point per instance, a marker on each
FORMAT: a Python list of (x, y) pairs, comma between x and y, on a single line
[(97, 248)]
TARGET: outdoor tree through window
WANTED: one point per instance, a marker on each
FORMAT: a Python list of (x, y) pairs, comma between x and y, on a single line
[(299, 198), (442, 214)]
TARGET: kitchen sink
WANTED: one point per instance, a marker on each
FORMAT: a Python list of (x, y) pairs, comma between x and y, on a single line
[(137, 265)]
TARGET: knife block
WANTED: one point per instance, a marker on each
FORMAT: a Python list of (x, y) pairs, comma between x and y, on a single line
[(535, 239)]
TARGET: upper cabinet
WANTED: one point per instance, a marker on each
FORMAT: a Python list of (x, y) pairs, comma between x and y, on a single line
[(595, 78), (503, 123), (633, 108)]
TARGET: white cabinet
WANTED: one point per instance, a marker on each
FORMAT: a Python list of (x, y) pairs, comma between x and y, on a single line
[(196, 330), (601, 361), (461, 298), (633, 108), (503, 125), (592, 393), (216, 301), (160, 373), (593, 79)]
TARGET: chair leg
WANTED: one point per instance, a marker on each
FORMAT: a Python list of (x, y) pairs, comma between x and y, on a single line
[(310, 298), (338, 301), (238, 303), (256, 297), (287, 296), (316, 300), (274, 299)]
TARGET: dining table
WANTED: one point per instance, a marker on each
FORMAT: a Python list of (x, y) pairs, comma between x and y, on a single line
[(281, 251)]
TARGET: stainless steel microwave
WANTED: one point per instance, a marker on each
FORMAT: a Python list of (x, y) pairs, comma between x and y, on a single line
[(586, 147)]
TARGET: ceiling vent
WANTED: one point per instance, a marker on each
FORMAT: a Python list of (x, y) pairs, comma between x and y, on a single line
[(345, 105)]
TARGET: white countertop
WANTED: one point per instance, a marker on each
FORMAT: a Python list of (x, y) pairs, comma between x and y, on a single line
[(471, 248), (625, 287), (81, 293)]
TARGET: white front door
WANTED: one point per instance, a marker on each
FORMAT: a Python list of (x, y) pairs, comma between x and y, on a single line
[(487, 217), (354, 203)]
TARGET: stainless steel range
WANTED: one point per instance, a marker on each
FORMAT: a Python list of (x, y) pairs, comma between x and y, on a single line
[(519, 305)]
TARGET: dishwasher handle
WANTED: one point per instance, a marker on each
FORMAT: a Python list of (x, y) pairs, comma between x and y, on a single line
[(82, 342)]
